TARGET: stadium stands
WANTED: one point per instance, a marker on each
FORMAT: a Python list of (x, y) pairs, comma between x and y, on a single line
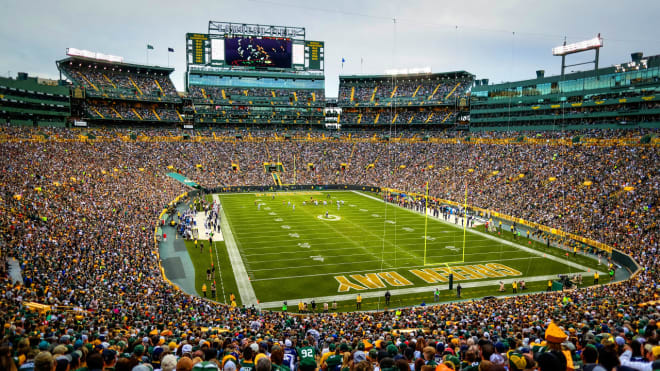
[(403, 99), (237, 97), (112, 92), (31, 101), (80, 225), (79, 211), (119, 80)]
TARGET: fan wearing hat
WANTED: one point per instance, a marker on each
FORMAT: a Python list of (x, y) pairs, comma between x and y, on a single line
[(554, 336), (109, 359), (520, 362)]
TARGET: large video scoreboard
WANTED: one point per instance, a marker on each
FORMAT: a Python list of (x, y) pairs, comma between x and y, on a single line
[(251, 45)]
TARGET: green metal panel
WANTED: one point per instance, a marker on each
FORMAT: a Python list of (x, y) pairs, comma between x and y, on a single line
[(31, 85), (514, 128)]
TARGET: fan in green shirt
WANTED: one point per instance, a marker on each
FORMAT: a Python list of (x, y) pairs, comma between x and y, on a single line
[(334, 362)]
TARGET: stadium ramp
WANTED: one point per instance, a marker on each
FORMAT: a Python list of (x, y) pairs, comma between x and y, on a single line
[(109, 81), (276, 178), (117, 113), (136, 87), (159, 88), (416, 90), (89, 82), (435, 91), (98, 113), (452, 91), (446, 117), (136, 114)]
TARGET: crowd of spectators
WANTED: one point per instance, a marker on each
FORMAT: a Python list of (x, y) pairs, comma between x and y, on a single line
[(214, 93), (142, 112), (407, 116), (79, 219), (402, 89), (115, 80), (237, 105)]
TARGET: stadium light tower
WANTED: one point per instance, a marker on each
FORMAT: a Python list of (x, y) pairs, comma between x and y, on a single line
[(593, 44)]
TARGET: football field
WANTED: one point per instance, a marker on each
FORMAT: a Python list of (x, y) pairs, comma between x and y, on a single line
[(298, 246)]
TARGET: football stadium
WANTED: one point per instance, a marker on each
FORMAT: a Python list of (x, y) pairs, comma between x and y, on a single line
[(255, 206)]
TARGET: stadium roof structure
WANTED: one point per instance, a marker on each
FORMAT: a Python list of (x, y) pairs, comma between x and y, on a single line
[(651, 61), (129, 66), (385, 77)]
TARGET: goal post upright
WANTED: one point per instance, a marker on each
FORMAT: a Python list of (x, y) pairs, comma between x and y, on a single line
[(426, 219), (447, 264), (465, 220)]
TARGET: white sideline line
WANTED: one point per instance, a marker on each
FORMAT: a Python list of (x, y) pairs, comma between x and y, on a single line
[(350, 255), (521, 247), (412, 290), (303, 237), (369, 270), (245, 289)]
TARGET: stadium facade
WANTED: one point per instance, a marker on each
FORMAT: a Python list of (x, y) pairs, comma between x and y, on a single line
[(242, 75), (626, 95), (108, 92), (32, 101), (250, 74)]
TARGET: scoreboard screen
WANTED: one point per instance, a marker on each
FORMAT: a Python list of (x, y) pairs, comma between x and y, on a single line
[(250, 46), (258, 52)]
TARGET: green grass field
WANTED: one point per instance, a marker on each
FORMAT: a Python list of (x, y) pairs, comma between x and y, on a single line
[(297, 253)]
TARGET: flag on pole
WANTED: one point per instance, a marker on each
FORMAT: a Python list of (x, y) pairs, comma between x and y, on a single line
[(171, 50), (150, 47)]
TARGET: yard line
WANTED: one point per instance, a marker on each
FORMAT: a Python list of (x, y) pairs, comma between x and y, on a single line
[(359, 255), (505, 242), (373, 261), (329, 225), (408, 240), (297, 252)]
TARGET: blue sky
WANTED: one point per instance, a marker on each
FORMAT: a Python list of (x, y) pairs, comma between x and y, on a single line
[(501, 40)]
